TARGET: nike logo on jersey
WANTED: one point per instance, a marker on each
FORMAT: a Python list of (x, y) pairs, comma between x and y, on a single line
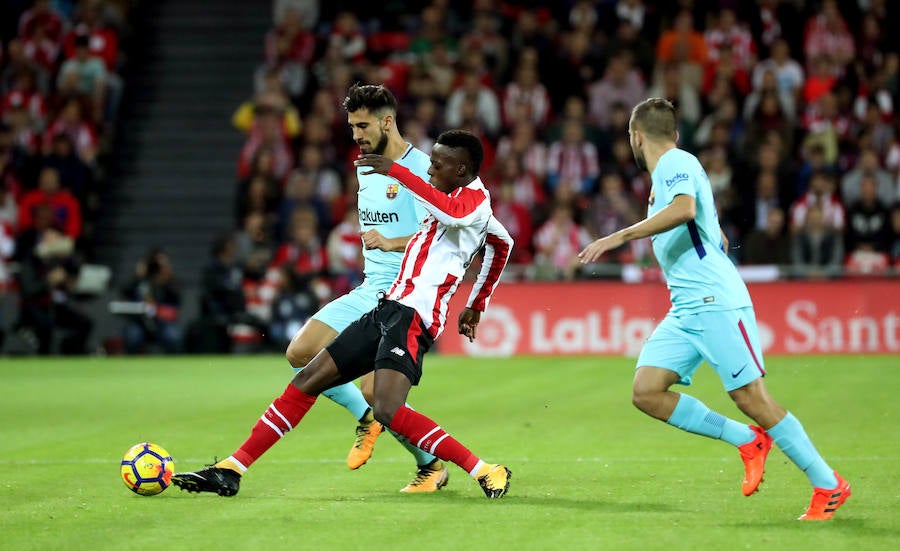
[(738, 372), (398, 351)]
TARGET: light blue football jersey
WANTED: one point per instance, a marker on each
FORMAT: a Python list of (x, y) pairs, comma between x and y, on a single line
[(698, 273), (390, 208)]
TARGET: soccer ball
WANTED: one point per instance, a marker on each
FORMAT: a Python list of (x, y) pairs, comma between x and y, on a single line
[(147, 469)]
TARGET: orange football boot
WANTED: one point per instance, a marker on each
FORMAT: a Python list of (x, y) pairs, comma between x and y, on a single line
[(754, 455), (825, 502)]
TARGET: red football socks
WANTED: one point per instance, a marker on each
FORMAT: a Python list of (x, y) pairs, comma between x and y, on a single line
[(281, 416), (425, 434)]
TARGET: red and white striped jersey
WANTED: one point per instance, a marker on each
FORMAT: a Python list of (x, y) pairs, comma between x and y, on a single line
[(437, 256)]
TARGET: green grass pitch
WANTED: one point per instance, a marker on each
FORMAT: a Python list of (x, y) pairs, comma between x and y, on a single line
[(590, 471)]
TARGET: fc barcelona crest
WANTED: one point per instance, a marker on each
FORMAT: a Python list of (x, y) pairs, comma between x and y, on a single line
[(392, 190)]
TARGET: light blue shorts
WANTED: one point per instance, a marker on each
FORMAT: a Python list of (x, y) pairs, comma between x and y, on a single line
[(344, 310), (727, 339)]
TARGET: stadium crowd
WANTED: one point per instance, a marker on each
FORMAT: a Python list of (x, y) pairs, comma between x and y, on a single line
[(796, 130), (789, 104), (59, 97)]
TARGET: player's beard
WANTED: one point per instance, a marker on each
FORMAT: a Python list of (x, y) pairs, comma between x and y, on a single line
[(381, 145)]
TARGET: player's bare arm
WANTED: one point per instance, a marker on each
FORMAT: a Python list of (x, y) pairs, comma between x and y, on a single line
[(468, 323), (379, 164), (724, 241), (683, 208), (373, 239)]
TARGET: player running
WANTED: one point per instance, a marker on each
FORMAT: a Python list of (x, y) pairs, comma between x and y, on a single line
[(711, 318), (388, 216), (393, 337)]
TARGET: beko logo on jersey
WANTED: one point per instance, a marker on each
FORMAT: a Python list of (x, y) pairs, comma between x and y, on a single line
[(679, 177), (367, 216)]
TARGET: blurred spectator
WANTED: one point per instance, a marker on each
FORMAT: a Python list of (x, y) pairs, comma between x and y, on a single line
[(682, 43), (487, 106), (24, 95), (253, 237), (895, 237), (526, 90), (768, 244), (867, 165), (103, 42), (629, 38), (557, 242), (527, 189), (46, 278), (303, 250), (17, 62), (66, 210), (294, 303), (821, 79), (621, 83), (729, 37), (817, 249), (221, 302), (822, 196), (522, 143), (431, 32), (669, 82), (42, 15), (41, 49), (81, 134), (84, 74), (300, 191), (575, 67), (267, 134), (9, 209), (347, 37), (572, 161), (153, 285), (308, 10), (826, 34), (826, 125), (74, 174), (345, 260), (612, 209), (788, 73), (289, 51), (868, 219), (326, 180), (7, 249), (764, 197), (485, 36), (515, 217), (270, 100)]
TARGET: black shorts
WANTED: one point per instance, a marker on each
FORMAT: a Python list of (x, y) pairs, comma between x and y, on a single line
[(392, 336)]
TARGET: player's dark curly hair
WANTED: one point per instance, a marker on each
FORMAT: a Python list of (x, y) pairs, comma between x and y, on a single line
[(656, 118), (374, 98), (469, 142)]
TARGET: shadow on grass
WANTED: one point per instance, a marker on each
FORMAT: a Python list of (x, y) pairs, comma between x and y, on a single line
[(449, 498), (837, 524)]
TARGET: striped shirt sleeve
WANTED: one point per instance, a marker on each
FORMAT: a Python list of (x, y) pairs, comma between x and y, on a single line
[(498, 247), (454, 210)]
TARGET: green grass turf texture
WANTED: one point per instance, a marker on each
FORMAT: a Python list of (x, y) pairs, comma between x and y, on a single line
[(590, 471)]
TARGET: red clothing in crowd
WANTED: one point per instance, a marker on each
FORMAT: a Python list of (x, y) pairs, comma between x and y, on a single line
[(66, 210)]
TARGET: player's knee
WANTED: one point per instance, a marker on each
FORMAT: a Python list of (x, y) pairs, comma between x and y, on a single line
[(298, 355), (643, 399), (384, 412)]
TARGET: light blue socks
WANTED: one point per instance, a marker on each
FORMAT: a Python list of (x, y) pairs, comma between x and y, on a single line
[(794, 442), (692, 415)]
